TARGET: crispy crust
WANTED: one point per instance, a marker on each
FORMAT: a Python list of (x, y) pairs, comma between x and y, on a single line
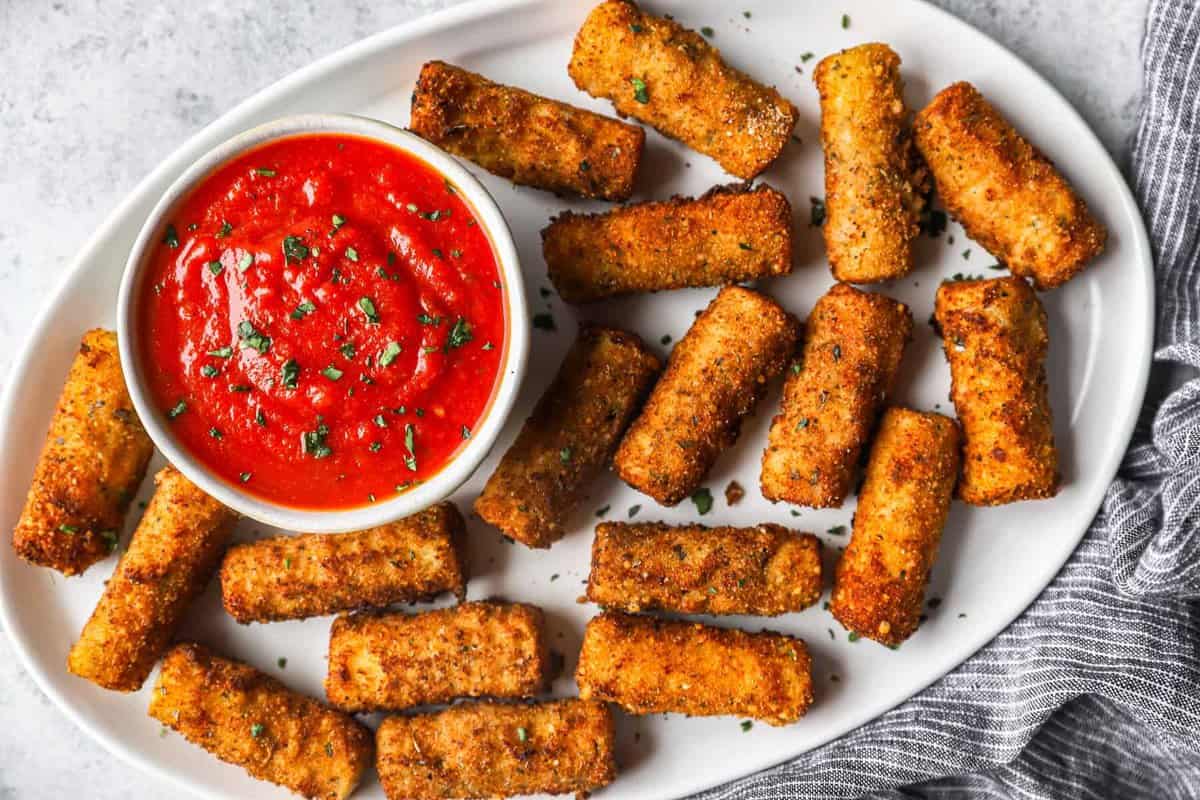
[(1007, 195), (731, 234), (293, 577), (91, 465), (875, 183), (880, 583), (528, 139), (249, 719), (995, 339), (853, 343), (766, 570), (171, 558), (393, 661), (715, 376), (570, 437), (491, 750), (647, 666), (690, 93)]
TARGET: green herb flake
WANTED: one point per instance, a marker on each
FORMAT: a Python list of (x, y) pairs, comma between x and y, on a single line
[(845, 21), (171, 238), (703, 499), (68, 529), (265, 172), (332, 372), (216, 267), (253, 338), (837, 530), (352, 254), (747, 725), (633, 511), (522, 734), (488, 346), (313, 443), (745, 246), (260, 418), (707, 31), (110, 539), (666, 339), (225, 230), (245, 476), (544, 322), (294, 249), (854, 637), (806, 57), (329, 749), (209, 371), (367, 306), (639, 90), (177, 409), (282, 663), (460, 334), (256, 730), (245, 262), (564, 455), (338, 221), (303, 310), (222, 352), (817, 213), (466, 432), (636, 28), (215, 433), (600, 512), (290, 372)]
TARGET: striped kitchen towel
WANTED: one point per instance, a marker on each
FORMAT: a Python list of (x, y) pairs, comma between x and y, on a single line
[(1094, 692)]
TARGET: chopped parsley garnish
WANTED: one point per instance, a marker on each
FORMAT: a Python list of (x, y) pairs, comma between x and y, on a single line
[(845, 21), (171, 238), (390, 351), (639, 90), (460, 334), (600, 512), (222, 352), (294, 248), (240, 387), (545, 322), (367, 306), (745, 246), (209, 371), (110, 538), (245, 476), (425, 319), (747, 725), (226, 229), (303, 310), (256, 730), (636, 28), (216, 267), (68, 529), (707, 31), (352, 254), (290, 373), (375, 447), (666, 339), (564, 455), (817, 214), (259, 417), (177, 409), (806, 57), (348, 349), (332, 372), (438, 253), (245, 262), (854, 637), (522, 734), (215, 433), (338, 221), (703, 499), (253, 338), (837, 530), (266, 173), (410, 435), (488, 346), (584, 166), (313, 442), (837, 352), (633, 511)]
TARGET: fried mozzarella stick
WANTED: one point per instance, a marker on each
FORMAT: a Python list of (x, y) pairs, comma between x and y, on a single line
[(171, 558), (853, 342), (570, 437), (995, 337), (730, 234), (394, 661), (875, 183), (879, 587), (94, 458), (715, 375), (657, 71), (765, 570), (247, 718), (492, 750), (531, 140), (293, 577), (1007, 195), (647, 666)]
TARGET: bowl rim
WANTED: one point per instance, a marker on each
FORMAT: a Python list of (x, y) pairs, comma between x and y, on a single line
[(461, 465)]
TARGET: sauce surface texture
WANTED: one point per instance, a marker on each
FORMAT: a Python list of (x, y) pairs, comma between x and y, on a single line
[(323, 321)]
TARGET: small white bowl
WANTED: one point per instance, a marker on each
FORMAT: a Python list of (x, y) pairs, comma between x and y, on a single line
[(460, 467)]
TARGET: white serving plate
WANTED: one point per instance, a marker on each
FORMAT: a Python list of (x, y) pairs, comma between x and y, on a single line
[(993, 561)]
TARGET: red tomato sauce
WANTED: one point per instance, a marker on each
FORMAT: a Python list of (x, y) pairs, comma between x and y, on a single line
[(323, 321)]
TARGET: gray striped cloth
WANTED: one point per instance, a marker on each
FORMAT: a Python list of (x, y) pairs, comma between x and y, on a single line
[(1094, 692)]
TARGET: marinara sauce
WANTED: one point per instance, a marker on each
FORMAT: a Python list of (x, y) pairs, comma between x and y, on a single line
[(323, 321)]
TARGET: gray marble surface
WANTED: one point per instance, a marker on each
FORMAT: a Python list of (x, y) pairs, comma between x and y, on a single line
[(94, 94)]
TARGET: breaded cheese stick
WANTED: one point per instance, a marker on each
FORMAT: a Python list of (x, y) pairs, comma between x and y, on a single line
[(1007, 195), (292, 577), (730, 234), (995, 337), (765, 570), (247, 718), (875, 184), (528, 139), (91, 465), (655, 70), (715, 375), (394, 661), (491, 750), (570, 437), (647, 666), (879, 587), (171, 558), (853, 342)]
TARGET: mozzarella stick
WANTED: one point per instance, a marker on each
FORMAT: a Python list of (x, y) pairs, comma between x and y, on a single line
[(714, 378), (171, 558), (649, 666), (247, 718), (879, 587), (531, 140), (731, 234), (394, 661), (293, 577), (657, 71), (91, 465), (995, 337), (765, 570), (492, 750), (1008, 196), (570, 437), (853, 342), (875, 184)]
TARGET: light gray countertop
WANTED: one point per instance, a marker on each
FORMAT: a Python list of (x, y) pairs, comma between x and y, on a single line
[(93, 94)]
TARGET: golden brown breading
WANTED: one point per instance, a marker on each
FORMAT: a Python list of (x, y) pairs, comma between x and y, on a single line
[(528, 139), (657, 71), (247, 718), (716, 374), (853, 342), (292, 577), (875, 184), (647, 666), (570, 437), (171, 558), (1007, 195), (765, 570), (995, 337), (880, 583), (94, 458), (731, 234), (393, 661), (492, 750)]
